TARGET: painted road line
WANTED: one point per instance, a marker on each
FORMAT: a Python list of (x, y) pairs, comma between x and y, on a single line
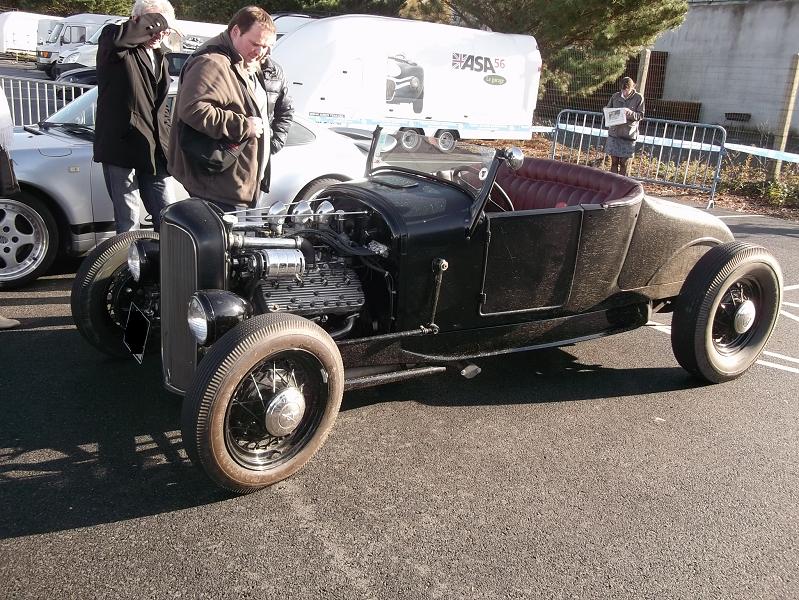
[(788, 288), (785, 313), (766, 363), (791, 304), (667, 329), (782, 356)]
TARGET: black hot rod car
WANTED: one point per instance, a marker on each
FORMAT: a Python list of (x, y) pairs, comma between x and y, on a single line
[(431, 261)]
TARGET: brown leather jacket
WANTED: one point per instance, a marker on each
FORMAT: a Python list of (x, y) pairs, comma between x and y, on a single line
[(211, 99)]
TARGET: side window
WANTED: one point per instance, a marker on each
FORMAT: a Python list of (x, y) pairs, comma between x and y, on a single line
[(299, 135), (80, 33), (66, 37)]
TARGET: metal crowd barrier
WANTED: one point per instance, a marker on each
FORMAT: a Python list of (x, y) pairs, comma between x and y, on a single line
[(33, 100), (673, 153)]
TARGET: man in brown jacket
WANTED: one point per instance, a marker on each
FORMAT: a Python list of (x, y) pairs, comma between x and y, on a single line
[(231, 90)]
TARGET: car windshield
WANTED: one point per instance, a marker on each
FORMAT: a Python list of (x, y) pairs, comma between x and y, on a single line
[(55, 33), (80, 111), (465, 164)]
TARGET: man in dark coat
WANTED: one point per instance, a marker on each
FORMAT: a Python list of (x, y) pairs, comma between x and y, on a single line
[(131, 126), (232, 90)]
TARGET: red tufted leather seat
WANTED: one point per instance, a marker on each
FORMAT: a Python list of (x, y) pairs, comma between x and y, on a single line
[(542, 183)]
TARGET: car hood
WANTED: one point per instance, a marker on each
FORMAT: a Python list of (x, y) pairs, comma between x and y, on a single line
[(45, 143)]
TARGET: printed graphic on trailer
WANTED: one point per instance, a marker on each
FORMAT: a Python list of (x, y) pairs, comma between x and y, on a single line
[(480, 64), (404, 82)]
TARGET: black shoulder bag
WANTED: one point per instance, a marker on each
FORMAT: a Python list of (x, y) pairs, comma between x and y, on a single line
[(211, 155)]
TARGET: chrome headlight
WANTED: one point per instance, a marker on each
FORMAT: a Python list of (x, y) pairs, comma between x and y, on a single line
[(143, 259), (415, 83), (134, 262), (198, 320), (212, 313)]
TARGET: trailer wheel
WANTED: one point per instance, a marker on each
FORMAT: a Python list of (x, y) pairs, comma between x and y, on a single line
[(410, 139), (446, 140)]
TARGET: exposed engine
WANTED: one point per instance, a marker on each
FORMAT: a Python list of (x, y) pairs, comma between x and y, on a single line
[(308, 265)]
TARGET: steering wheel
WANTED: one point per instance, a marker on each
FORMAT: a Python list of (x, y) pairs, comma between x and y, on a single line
[(503, 202)]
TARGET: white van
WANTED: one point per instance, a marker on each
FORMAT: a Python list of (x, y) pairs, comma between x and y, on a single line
[(19, 31), (194, 34), (421, 78), (45, 28), (70, 33)]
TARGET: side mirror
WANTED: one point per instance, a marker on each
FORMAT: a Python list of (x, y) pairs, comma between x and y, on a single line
[(515, 158)]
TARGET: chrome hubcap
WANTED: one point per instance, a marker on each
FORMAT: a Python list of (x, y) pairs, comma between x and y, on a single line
[(744, 317), (285, 411)]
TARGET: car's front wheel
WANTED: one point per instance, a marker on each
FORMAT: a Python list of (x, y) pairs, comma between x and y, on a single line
[(726, 311), (262, 401), (103, 291), (28, 240)]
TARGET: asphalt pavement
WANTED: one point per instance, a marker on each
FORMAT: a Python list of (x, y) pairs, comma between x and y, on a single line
[(600, 470)]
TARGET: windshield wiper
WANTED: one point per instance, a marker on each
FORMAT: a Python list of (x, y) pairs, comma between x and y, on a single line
[(71, 127)]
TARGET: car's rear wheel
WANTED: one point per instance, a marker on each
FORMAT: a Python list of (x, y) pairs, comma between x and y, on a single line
[(314, 187), (28, 240), (103, 291), (726, 311), (262, 401)]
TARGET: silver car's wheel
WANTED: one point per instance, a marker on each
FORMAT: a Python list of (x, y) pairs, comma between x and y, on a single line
[(28, 240)]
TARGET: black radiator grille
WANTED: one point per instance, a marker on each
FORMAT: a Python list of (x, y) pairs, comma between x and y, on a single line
[(178, 283)]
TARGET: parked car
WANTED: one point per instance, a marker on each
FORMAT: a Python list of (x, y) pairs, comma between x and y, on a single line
[(64, 206), (88, 75), (431, 262)]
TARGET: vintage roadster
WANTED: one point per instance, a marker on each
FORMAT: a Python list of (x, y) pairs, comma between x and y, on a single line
[(430, 262)]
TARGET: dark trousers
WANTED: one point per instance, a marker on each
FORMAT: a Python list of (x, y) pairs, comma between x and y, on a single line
[(620, 165)]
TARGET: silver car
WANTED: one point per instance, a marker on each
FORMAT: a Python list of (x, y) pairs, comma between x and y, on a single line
[(64, 206)]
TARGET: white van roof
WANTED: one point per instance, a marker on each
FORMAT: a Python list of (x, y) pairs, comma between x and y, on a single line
[(88, 18)]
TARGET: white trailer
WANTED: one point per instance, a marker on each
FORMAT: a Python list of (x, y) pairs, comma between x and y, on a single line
[(18, 31), (420, 78)]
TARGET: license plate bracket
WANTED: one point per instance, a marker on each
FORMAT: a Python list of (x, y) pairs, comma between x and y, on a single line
[(137, 332)]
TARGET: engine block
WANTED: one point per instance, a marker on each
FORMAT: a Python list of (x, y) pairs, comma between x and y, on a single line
[(324, 289)]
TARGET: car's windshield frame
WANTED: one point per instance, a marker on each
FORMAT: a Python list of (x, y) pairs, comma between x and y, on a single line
[(467, 165)]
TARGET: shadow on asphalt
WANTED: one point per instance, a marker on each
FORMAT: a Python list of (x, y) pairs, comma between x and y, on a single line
[(552, 375), (89, 440)]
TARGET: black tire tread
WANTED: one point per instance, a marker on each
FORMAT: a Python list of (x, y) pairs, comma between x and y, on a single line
[(708, 274), (215, 366), (81, 301)]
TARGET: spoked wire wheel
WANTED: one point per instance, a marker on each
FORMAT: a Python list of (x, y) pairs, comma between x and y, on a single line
[(275, 409), (735, 315), (263, 401), (726, 311)]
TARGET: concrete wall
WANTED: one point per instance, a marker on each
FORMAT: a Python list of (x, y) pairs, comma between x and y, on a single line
[(734, 57)]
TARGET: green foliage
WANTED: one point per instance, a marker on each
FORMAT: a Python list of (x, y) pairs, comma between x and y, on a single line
[(64, 8), (749, 178), (220, 11), (591, 37)]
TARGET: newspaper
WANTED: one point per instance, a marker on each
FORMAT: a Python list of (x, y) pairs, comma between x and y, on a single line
[(615, 116)]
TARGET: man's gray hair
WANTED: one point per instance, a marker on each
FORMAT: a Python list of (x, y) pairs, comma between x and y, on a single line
[(143, 7)]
